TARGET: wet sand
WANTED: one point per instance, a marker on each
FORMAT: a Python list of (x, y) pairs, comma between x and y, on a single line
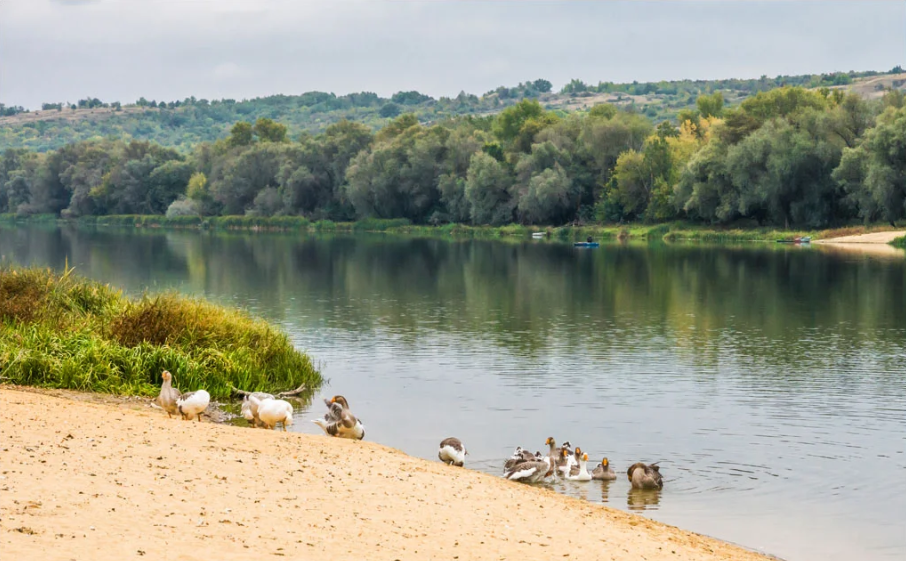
[(116, 480)]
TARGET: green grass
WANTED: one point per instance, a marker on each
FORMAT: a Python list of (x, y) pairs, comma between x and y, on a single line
[(899, 242), (60, 331)]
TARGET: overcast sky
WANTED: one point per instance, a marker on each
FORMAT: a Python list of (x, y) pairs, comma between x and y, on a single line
[(63, 50)]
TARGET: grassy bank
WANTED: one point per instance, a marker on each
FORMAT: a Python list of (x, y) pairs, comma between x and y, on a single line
[(670, 231), (61, 331), (899, 242)]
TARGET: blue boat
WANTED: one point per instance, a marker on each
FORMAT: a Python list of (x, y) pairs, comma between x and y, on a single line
[(586, 244)]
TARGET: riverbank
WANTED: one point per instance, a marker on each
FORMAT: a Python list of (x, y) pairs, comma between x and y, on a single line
[(98, 481), (672, 231), (61, 331)]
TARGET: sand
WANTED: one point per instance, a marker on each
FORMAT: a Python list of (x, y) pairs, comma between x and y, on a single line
[(872, 238), (118, 480)]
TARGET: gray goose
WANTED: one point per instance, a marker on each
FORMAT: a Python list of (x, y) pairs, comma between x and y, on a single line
[(531, 471), (604, 472), (168, 395), (339, 420), (644, 476)]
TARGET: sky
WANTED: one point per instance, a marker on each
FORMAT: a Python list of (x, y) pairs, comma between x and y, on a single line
[(120, 50)]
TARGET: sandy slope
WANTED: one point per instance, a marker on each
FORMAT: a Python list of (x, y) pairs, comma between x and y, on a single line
[(872, 238), (93, 481)]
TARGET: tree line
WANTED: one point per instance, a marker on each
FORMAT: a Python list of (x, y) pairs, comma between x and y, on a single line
[(785, 157)]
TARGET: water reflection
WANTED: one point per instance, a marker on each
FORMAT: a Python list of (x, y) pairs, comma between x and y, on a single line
[(643, 499), (737, 364)]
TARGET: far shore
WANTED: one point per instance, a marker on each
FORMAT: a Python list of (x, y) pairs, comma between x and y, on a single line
[(669, 232), (116, 479)]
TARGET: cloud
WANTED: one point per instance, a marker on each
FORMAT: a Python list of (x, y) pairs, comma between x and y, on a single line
[(165, 49)]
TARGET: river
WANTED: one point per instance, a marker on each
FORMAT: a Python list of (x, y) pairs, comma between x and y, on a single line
[(769, 381)]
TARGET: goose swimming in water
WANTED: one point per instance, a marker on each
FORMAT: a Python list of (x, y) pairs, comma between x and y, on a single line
[(191, 405), (603, 472), (519, 455), (273, 411), (452, 452), (339, 420), (580, 473), (250, 404), (644, 476), (168, 395)]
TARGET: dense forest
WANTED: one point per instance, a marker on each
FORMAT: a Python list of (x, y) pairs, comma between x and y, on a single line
[(183, 124), (787, 157)]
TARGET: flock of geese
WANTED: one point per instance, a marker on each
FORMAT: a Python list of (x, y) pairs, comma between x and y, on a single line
[(563, 462), (264, 410)]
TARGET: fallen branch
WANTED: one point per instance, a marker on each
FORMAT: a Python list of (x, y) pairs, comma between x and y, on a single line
[(291, 393)]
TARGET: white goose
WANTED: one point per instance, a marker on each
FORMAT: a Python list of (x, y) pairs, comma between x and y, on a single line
[(250, 405), (191, 405), (580, 473), (273, 411)]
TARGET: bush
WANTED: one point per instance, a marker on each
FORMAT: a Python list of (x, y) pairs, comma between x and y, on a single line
[(182, 207), (63, 332)]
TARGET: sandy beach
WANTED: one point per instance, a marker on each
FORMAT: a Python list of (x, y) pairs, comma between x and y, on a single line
[(118, 480)]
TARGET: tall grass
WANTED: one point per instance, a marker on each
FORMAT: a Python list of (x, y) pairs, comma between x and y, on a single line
[(57, 330), (899, 242)]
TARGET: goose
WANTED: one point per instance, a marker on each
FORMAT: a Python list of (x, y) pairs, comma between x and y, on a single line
[(452, 452), (273, 411), (339, 421), (192, 404), (581, 472), (604, 472), (250, 404), (553, 454), (644, 476), (519, 455), (566, 459), (168, 394), (530, 472)]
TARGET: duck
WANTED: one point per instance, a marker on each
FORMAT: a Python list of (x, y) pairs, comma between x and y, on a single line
[(191, 405), (531, 471), (273, 411), (168, 395), (580, 473), (644, 476), (250, 404), (339, 420), (603, 472), (452, 452)]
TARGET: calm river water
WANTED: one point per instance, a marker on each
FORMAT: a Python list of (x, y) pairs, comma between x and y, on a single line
[(769, 382)]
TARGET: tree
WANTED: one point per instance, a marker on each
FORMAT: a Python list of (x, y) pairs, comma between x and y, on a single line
[(542, 86), (711, 105), (390, 110), (268, 131), (241, 134), (487, 191)]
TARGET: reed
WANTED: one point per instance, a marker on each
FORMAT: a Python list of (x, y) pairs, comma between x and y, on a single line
[(62, 331)]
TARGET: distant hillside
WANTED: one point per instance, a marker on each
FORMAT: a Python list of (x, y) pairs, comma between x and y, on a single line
[(182, 124)]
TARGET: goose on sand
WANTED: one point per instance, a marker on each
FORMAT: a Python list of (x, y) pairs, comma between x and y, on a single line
[(452, 452), (339, 420), (643, 476), (273, 411), (250, 405), (168, 394), (191, 405)]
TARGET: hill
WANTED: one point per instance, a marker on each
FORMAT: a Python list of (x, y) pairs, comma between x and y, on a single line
[(182, 124)]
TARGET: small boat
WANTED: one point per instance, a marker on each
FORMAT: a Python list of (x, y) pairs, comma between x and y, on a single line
[(797, 239), (586, 244), (537, 235)]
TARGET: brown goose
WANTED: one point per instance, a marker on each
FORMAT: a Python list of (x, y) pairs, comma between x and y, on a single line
[(519, 455), (530, 472), (339, 420), (452, 452), (168, 395), (643, 476), (604, 472)]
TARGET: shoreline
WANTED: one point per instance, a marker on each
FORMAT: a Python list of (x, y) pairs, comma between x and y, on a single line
[(107, 481), (666, 232)]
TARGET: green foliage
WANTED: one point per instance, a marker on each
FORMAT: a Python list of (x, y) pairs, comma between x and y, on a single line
[(710, 105), (63, 332)]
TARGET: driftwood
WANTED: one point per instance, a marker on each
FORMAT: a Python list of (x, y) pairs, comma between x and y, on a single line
[(292, 393)]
